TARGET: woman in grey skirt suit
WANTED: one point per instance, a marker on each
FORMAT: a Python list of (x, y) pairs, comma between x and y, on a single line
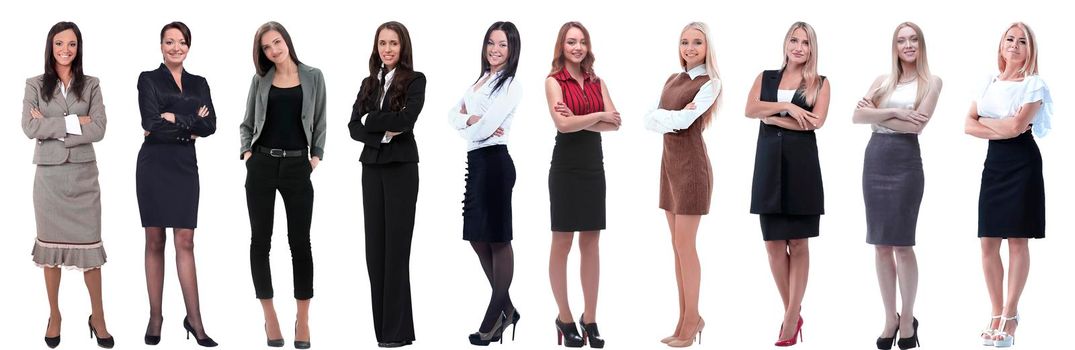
[(64, 113), (897, 106)]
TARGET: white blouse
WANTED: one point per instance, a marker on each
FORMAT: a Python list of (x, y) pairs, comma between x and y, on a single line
[(1001, 99), (665, 121), (902, 98), (785, 96), (495, 108)]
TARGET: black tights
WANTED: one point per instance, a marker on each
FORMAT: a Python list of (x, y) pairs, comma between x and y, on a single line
[(498, 261), (156, 240)]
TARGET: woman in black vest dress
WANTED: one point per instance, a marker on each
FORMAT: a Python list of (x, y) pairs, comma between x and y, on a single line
[(787, 192)]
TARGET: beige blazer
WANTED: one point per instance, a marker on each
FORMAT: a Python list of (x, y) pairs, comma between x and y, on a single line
[(49, 130)]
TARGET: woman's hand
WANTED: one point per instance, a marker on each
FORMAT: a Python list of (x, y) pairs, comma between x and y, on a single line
[(611, 117), (247, 155), (35, 113), (84, 119), (473, 119), (314, 161), (203, 111), (169, 117), (806, 120), (911, 116), (563, 110)]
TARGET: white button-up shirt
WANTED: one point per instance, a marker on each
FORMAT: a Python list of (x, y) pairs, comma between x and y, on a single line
[(666, 121), (496, 110)]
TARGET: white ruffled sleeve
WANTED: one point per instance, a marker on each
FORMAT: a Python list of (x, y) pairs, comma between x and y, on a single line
[(1035, 90)]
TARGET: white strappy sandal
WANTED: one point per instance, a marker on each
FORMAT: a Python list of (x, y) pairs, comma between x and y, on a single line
[(989, 332), (1006, 340)]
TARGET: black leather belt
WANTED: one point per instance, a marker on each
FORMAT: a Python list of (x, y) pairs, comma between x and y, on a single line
[(280, 153)]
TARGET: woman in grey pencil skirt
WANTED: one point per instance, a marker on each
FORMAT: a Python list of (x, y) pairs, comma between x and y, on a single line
[(897, 107)]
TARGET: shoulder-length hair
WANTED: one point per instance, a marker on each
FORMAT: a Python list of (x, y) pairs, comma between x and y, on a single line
[(262, 63), (1030, 66), (558, 52), (921, 68), (710, 65), (404, 70), (514, 47), (50, 79), (811, 80)]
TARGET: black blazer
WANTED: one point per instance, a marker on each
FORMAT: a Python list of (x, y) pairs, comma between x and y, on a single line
[(787, 174), (402, 148), (158, 93)]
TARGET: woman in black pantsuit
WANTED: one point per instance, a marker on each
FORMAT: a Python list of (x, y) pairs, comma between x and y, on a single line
[(383, 118), (176, 108), (1012, 105), (787, 190), (282, 140)]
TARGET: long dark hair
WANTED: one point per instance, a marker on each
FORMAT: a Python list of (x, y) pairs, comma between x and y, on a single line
[(262, 63), (404, 70), (51, 78), (514, 45)]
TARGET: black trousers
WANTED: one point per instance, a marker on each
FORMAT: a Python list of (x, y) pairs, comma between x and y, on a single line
[(389, 194), (265, 175)]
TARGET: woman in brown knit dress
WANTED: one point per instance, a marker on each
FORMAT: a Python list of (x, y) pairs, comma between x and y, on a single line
[(685, 109)]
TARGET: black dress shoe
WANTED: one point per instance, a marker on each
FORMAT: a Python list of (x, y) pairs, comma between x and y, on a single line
[(51, 342), (206, 342), (106, 343), (393, 344)]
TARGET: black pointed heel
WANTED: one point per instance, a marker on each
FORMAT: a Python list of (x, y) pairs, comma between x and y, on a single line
[(206, 342), (53, 342), (911, 342), (106, 343)]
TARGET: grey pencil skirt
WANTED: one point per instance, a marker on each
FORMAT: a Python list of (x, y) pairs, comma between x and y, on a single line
[(892, 185)]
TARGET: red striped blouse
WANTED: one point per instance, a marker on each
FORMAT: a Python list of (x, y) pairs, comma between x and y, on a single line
[(581, 101)]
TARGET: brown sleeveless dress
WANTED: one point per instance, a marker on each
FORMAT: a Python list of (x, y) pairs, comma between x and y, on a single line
[(686, 175)]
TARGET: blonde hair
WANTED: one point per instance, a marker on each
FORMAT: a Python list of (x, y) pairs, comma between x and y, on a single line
[(710, 65), (811, 79), (921, 68), (1030, 66)]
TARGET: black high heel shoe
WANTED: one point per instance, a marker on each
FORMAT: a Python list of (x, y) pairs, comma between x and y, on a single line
[(206, 342), (514, 320), (152, 339), (885, 343), (567, 335), (53, 342), (589, 332), (300, 344), (494, 334), (912, 342), (275, 343), (106, 343)]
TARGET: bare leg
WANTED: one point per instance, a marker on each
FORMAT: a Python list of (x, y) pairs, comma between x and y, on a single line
[(93, 286), (679, 275), (778, 265), (52, 287), (798, 274), (272, 323), (188, 279), (590, 271), (154, 256), (691, 270), (1018, 270), (302, 320), (886, 279), (994, 276), (561, 246), (907, 270)]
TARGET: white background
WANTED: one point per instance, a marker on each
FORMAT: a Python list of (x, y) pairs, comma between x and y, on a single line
[(636, 47)]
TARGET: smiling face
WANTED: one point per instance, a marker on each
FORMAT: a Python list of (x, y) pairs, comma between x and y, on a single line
[(64, 48), (174, 47), (1014, 47), (575, 46), (692, 48), (388, 47), (274, 47), (797, 47), (496, 50), (906, 45)]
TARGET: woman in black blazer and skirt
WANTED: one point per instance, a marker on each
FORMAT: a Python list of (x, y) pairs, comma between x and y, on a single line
[(383, 118), (1012, 105), (176, 108), (787, 193)]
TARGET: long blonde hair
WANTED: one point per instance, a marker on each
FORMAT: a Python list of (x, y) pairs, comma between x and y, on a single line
[(1030, 66), (810, 77), (921, 68), (710, 66)]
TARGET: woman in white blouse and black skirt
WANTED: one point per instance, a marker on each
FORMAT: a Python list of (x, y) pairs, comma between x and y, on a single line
[(1011, 204), (483, 117)]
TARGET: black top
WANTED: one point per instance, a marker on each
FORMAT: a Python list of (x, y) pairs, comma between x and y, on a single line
[(283, 120), (402, 148), (158, 93), (787, 173)]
